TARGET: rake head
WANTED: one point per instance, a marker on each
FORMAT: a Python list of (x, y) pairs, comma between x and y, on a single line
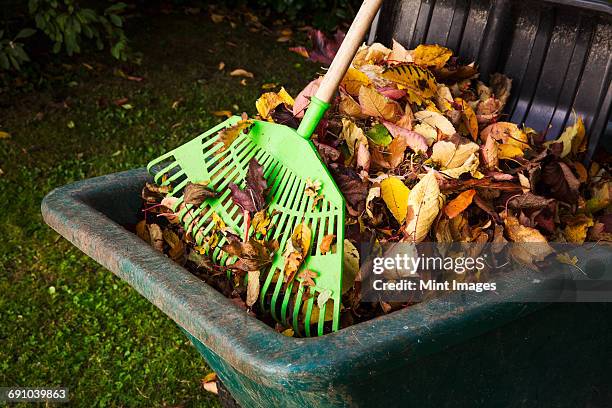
[(287, 160)]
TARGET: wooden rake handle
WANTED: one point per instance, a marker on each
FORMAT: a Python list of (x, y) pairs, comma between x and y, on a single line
[(347, 50)]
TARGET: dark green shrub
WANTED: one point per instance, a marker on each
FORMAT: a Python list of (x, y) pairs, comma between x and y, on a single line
[(12, 53), (67, 25)]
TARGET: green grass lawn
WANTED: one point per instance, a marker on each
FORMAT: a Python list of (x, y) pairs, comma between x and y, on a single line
[(65, 320)]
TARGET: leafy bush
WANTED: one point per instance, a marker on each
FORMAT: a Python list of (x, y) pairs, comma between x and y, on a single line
[(11, 51), (66, 24)]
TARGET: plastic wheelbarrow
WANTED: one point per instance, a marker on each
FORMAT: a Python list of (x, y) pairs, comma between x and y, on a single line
[(456, 350)]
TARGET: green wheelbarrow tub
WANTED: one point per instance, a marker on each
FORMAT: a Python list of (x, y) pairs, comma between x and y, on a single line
[(457, 350)]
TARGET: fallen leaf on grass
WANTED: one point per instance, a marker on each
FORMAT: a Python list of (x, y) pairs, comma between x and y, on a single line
[(241, 73), (225, 113), (209, 383), (5, 135)]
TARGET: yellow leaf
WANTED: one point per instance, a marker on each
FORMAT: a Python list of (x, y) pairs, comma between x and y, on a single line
[(395, 194), (229, 134), (444, 98), (572, 138), (436, 120), (469, 118), (4, 135), (601, 197), (288, 332), (508, 151), (350, 263), (577, 227), (506, 132), (353, 135), (314, 316), (431, 55), (423, 207), (270, 100), (353, 80), (459, 203), (420, 84), (225, 113), (374, 104)]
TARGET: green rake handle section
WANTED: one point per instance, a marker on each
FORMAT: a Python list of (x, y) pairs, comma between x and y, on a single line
[(353, 39)]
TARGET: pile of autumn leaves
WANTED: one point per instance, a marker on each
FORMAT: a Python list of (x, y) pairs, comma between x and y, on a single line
[(420, 149)]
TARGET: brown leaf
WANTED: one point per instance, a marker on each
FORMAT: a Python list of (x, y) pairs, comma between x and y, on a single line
[(352, 187), (253, 255), (157, 239), (326, 243), (303, 99), (529, 201), (489, 153), (559, 180), (195, 194), (521, 234), (307, 277), (252, 197)]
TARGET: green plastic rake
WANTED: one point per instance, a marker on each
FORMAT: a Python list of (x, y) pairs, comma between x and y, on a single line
[(288, 158)]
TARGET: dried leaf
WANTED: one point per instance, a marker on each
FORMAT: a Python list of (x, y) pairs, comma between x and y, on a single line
[(374, 104), (195, 194), (354, 189), (469, 118), (424, 205), (229, 134), (559, 180), (521, 234), (572, 139), (303, 99), (350, 262), (506, 132), (253, 255), (270, 100), (433, 56), (353, 81), (307, 277), (459, 203), (418, 82), (326, 243), (157, 239), (576, 228), (353, 135), (489, 153), (252, 288), (395, 194), (436, 120), (448, 155), (413, 140), (252, 197), (241, 73), (508, 151)]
